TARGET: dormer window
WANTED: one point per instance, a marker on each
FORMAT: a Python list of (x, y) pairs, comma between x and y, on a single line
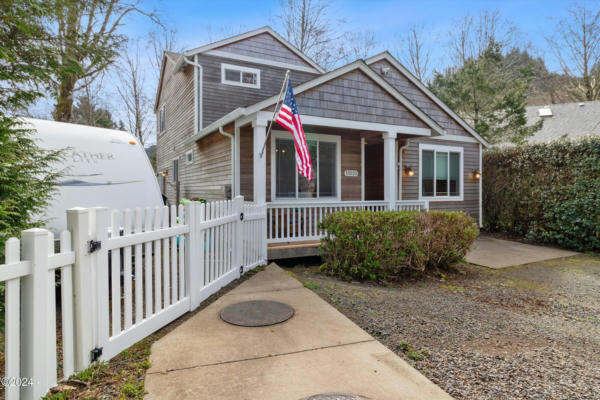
[(240, 76)]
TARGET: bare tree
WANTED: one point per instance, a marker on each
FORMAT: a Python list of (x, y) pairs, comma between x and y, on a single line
[(132, 91), (88, 38), (470, 36), (308, 26), (160, 41), (415, 52), (577, 47), (359, 45)]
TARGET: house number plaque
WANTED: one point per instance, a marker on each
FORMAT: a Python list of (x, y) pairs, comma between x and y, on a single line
[(350, 172)]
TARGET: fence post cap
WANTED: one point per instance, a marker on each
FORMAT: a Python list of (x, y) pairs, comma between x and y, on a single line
[(76, 210), (35, 231)]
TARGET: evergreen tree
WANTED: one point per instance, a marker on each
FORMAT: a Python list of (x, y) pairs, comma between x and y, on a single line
[(27, 61), (489, 96)]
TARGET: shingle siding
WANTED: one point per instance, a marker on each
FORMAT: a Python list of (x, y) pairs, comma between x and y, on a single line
[(220, 98), (417, 97), (356, 97), (264, 46)]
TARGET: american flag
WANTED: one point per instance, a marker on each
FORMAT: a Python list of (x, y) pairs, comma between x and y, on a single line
[(289, 118)]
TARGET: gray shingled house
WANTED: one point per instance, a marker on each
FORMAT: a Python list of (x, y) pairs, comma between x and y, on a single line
[(378, 138)]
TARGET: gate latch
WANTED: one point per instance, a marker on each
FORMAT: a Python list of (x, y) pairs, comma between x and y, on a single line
[(241, 216), (96, 353), (94, 245)]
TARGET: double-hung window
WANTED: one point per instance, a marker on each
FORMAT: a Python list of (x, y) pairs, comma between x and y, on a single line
[(440, 172), (162, 120), (240, 76), (287, 183)]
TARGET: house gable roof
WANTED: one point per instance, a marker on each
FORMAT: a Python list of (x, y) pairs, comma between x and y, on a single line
[(414, 80), (358, 65), (167, 56), (229, 42), (570, 120)]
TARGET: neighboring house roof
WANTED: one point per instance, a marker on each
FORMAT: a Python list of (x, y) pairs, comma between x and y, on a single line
[(392, 60), (570, 120), (256, 32), (319, 80)]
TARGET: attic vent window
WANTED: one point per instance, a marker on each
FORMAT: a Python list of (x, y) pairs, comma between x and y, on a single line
[(545, 112), (240, 76)]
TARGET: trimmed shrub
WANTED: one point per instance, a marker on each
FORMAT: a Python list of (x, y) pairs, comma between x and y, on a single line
[(547, 192), (379, 245)]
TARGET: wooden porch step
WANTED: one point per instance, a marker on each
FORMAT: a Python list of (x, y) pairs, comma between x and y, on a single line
[(278, 251)]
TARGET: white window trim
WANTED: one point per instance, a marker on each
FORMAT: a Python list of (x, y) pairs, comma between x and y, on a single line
[(178, 169), (309, 136), (162, 113), (241, 69), (452, 149), (191, 160)]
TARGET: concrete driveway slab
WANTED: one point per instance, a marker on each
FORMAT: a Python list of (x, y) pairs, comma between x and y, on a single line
[(497, 253), (318, 350)]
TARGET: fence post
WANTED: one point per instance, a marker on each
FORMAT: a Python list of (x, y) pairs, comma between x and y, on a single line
[(83, 312), (192, 262), (263, 236), (238, 208), (100, 279), (34, 322)]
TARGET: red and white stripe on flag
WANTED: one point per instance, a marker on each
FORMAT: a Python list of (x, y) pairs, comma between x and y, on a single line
[(289, 118)]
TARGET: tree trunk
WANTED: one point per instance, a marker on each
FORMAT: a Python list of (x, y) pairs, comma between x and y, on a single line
[(63, 110)]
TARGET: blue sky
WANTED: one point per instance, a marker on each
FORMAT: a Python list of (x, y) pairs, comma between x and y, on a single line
[(388, 19), (535, 19)]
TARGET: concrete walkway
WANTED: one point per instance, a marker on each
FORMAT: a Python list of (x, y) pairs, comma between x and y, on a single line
[(317, 351), (498, 253)]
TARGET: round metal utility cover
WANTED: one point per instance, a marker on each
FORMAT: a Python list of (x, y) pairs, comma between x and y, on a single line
[(335, 396), (257, 313)]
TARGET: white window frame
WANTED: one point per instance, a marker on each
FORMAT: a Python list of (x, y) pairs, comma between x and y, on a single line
[(338, 168), (189, 153), (242, 70), (461, 164), (178, 169), (162, 120)]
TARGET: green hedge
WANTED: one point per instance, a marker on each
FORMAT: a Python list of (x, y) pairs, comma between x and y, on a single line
[(379, 245), (546, 192)]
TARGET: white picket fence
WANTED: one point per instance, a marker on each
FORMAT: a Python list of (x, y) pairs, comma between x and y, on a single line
[(122, 277)]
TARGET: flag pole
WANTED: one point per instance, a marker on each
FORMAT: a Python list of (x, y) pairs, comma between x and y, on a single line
[(285, 80)]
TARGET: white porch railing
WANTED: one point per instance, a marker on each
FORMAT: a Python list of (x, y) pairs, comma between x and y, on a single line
[(294, 221), (411, 205)]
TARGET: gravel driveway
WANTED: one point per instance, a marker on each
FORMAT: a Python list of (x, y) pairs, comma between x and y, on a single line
[(528, 332)]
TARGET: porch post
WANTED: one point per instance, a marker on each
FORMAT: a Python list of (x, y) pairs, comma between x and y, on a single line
[(260, 163), (389, 169)]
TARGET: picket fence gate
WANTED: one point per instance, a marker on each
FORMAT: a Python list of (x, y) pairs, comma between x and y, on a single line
[(122, 275)]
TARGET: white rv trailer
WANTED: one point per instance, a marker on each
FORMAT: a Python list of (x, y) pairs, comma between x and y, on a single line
[(103, 167)]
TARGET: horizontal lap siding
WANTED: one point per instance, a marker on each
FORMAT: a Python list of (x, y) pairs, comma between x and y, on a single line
[(356, 97), (178, 98), (410, 185), (211, 170), (219, 99), (265, 46), (420, 99)]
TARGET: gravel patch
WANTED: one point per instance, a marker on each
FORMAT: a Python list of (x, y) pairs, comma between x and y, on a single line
[(528, 332)]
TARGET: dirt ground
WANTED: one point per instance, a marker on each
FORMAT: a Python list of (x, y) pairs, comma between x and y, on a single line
[(527, 332)]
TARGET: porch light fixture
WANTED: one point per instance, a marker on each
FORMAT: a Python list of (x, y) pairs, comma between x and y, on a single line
[(408, 171), (476, 174)]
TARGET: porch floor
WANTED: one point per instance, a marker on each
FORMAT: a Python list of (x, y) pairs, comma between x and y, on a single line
[(282, 250), (317, 351)]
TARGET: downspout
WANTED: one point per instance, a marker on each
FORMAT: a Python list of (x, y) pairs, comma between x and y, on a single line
[(198, 73), (230, 136)]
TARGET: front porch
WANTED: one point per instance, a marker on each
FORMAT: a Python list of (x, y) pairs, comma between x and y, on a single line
[(357, 165)]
